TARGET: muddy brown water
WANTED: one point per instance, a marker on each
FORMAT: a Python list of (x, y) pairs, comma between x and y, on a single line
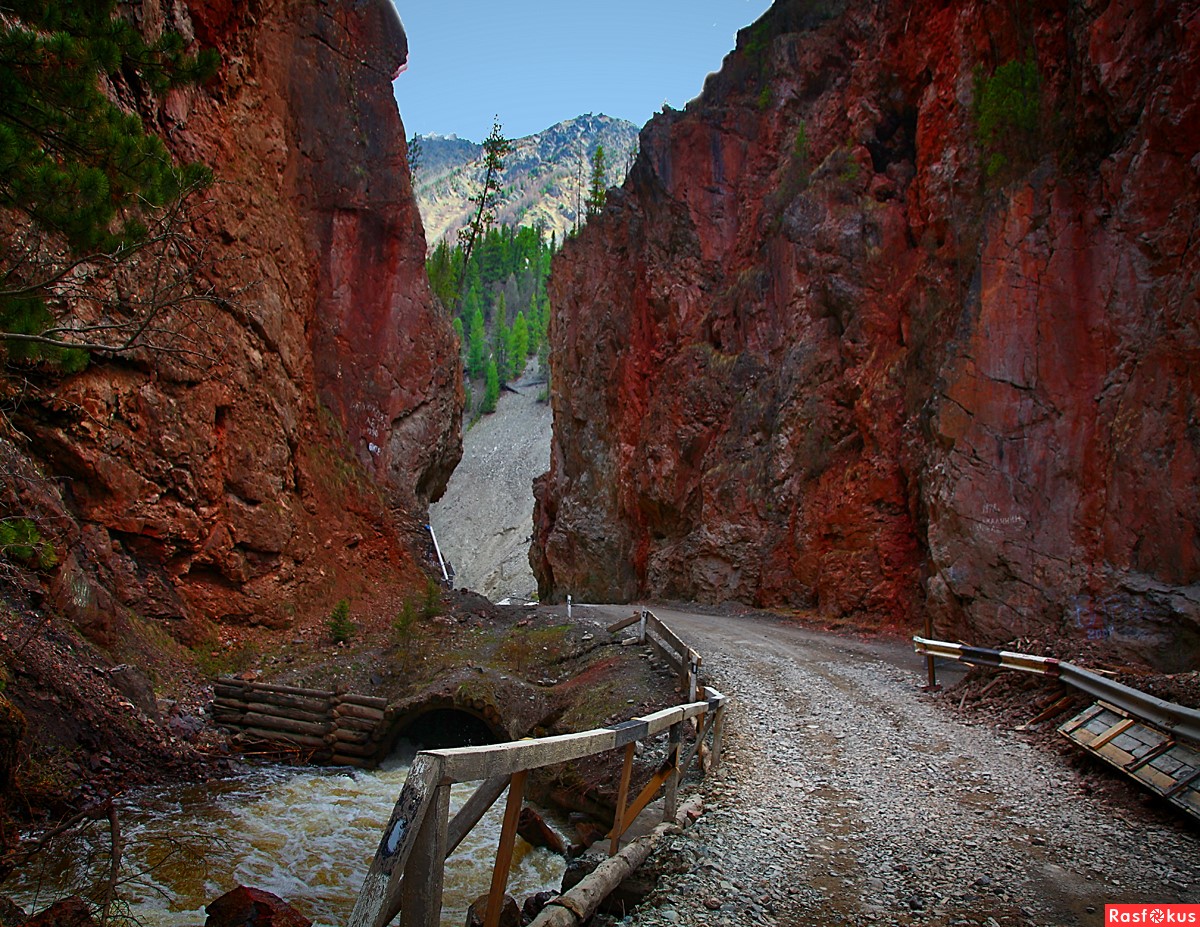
[(305, 834)]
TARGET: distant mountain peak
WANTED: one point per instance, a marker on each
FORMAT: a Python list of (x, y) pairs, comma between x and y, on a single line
[(545, 179)]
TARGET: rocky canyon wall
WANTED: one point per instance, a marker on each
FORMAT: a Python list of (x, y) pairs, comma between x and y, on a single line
[(292, 463), (836, 345)]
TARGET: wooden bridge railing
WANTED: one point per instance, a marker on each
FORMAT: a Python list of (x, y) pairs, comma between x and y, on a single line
[(407, 872)]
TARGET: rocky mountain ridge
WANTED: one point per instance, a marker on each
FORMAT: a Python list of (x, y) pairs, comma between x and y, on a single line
[(899, 317), (545, 178)]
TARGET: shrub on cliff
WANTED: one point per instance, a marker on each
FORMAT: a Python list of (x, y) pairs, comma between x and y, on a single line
[(1008, 107)]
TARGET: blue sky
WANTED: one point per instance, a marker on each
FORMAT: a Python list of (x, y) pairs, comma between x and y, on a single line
[(538, 62)]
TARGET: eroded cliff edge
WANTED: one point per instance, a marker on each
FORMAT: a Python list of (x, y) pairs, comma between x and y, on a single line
[(833, 345), (294, 462)]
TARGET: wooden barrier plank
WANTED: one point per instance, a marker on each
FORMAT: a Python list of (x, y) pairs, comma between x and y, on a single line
[(624, 623), (379, 898), (292, 714), (466, 764)]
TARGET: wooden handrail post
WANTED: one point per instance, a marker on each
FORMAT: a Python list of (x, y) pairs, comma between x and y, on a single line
[(421, 890), (504, 853), (718, 732), (622, 797), (671, 799)]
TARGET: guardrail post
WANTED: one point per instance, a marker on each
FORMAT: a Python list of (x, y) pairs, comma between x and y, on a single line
[(421, 890), (718, 732), (671, 799), (642, 628), (504, 853)]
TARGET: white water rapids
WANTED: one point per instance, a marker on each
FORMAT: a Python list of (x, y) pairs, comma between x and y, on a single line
[(305, 834)]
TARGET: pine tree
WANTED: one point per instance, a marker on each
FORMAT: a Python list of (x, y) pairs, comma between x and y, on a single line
[(491, 389), (477, 347), (598, 188), (518, 347), (85, 177), (495, 148)]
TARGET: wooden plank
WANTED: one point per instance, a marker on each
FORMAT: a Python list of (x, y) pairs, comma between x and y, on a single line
[(504, 853), (473, 809), (622, 797), (673, 662), (467, 764), (379, 898), (669, 637), (645, 796), (1081, 719), (671, 799), (624, 623), (718, 736), (425, 872), (1113, 732)]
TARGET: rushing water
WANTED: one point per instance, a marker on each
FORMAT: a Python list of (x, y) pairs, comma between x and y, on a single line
[(305, 834)]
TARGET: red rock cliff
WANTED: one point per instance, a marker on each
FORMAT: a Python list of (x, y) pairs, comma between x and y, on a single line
[(297, 466), (833, 346)]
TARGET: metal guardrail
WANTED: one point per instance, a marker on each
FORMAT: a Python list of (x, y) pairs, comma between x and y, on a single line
[(407, 871), (1178, 719)]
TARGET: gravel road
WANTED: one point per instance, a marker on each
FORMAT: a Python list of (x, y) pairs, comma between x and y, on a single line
[(848, 796)]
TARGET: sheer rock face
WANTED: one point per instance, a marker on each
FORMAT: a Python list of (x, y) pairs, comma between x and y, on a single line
[(296, 467), (816, 354)]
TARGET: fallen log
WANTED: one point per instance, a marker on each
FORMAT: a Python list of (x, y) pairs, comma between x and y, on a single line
[(287, 726), (314, 705), (580, 903), (351, 710), (365, 701), (261, 735)]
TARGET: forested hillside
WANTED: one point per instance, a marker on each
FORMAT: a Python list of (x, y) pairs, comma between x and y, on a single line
[(498, 299)]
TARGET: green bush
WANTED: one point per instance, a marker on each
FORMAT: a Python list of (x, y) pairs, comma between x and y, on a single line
[(1008, 108), (20, 540), (341, 628)]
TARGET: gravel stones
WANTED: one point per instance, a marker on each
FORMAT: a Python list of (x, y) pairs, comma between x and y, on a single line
[(847, 795)]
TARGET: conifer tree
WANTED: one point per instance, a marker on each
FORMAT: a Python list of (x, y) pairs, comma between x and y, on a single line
[(89, 184), (598, 188), (495, 148), (518, 347), (491, 388), (477, 346)]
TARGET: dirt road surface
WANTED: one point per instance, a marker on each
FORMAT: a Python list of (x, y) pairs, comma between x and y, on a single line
[(847, 795)]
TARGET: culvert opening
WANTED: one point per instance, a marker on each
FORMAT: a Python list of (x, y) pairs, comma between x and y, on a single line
[(441, 728)]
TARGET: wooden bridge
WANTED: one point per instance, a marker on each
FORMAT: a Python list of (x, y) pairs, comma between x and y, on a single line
[(407, 872)]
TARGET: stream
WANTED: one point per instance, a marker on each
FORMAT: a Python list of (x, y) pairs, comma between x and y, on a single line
[(306, 834)]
